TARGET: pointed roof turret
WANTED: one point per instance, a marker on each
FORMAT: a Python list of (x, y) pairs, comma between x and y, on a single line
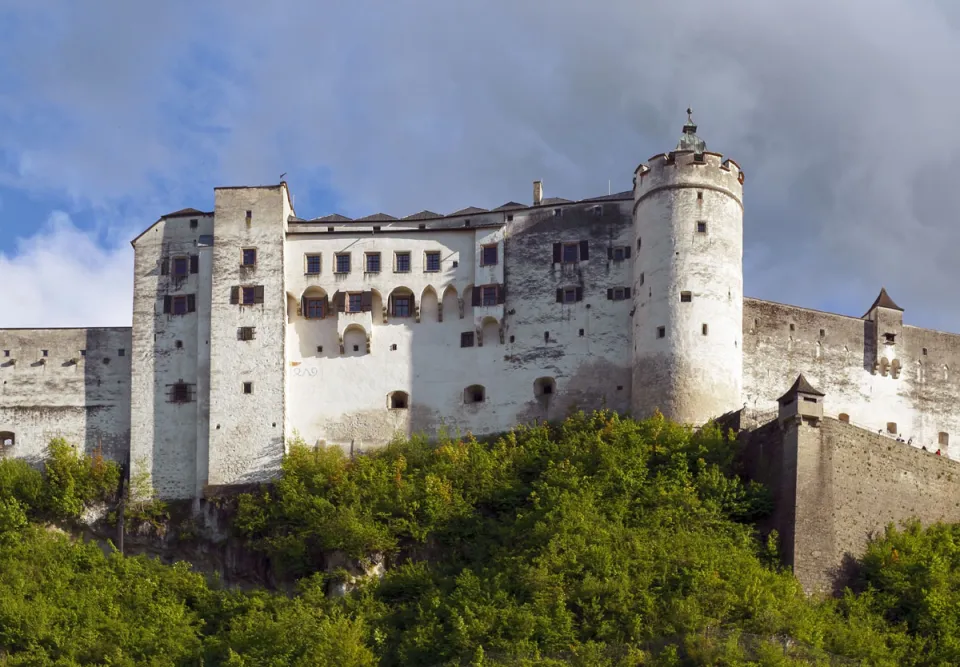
[(883, 301), (801, 386), (689, 141)]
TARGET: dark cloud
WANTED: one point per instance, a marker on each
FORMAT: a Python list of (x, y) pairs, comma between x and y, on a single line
[(838, 112)]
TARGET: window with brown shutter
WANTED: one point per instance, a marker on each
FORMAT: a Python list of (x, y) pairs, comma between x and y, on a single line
[(501, 294), (164, 266), (557, 253), (166, 304), (194, 263), (191, 303), (340, 301), (366, 301), (235, 294), (258, 294), (475, 297), (584, 251)]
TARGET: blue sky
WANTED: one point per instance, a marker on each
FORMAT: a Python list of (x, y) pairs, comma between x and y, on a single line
[(113, 113)]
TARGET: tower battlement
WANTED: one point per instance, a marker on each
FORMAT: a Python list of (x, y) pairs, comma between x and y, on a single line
[(687, 168)]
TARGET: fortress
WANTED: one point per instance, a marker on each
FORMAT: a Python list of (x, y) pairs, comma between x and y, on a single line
[(252, 325)]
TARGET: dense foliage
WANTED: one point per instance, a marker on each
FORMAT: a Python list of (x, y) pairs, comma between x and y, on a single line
[(600, 541)]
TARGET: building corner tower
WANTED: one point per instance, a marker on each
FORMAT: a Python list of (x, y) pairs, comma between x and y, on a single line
[(688, 279)]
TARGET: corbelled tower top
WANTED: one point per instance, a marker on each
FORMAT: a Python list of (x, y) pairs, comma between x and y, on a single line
[(689, 141)]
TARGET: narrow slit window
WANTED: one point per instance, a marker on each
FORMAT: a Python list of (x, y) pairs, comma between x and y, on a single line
[(704, 329), (661, 332), (247, 387)]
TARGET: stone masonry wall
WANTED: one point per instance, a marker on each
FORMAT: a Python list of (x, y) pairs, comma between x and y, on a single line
[(72, 383)]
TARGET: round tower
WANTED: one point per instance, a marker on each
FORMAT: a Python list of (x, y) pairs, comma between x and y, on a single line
[(688, 279)]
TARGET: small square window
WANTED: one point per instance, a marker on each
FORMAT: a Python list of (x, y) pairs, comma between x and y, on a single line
[(455, 263), (512, 338), (792, 327), (661, 332), (249, 257), (354, 302), (403, 262), (343, 263), (702, 227), (83, 353), (489, 255), (569, 295), (510, 217), (6, 353), (466, 339), (121, 352), (618, 254), (618, 294), (247, 387), (313, 264), (686, 297), (356, 348), (557, 212), (319, 349), (924, 351), (489, 295), (179, 305), (313, 309), (45, 353), (597, 211), (889, 338), (249, 296), (194, 223), (181, 266), (178, 344), (432, 261), (245, 333), (571, 253), (180, 392), (373, 262), (401, 306), (393, 347)]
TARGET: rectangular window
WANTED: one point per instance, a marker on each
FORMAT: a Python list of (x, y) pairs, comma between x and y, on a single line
[(373, 262), (249, 296), (686, 297), (489, 296), (889, 338), (194, 223), (343, 262), (354, 302), (181, 266), (489, 256), (249, 257), (570, 295), (661, 332), (641, 278), (618, 293), (180, 393), (401, 306), (571, 253), (618, 254), (245, 333), (45, 353), (247, 387), (121, 352), (313, 309), (702, 227), (313, 265), (402, 262), (179, 305), (704, 329), (466, 339), (432, 261)]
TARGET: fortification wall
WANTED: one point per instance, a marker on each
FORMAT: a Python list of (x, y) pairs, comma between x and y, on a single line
[(72, 383), (837, 354)]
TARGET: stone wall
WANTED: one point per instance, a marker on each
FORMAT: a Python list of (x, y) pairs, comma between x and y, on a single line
[(837, 485), (71, 383), (839, 354)]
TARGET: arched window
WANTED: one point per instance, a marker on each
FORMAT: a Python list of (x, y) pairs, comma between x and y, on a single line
[(398, 400), (544, 387), (475, 393), (7, 440)]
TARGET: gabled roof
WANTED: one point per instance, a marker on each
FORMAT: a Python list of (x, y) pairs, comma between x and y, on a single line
[(376, 217), (549, 201), (470, 210), (184, 212), (509, 205), (423, 215), (333, 217), (883, 301), (801, 386)]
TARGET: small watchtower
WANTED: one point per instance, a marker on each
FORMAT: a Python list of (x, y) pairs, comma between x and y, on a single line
[(802, 403)]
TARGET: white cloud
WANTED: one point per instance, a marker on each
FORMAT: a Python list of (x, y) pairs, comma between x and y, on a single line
[(61, 277)]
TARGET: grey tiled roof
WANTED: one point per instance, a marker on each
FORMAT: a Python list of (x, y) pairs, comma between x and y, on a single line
[(626, 194), (550, 201), (510, 205), (423, 215), (470, 210), (377, 217), (184, 212), (335, 217)]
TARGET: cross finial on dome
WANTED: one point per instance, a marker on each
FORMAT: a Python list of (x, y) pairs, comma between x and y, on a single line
[(689, 115), (689, 141)]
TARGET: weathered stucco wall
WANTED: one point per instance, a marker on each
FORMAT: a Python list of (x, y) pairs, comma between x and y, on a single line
[(167, 432), (688, 278), (840, 356), (246, 428), (72, 383), (577, 350)]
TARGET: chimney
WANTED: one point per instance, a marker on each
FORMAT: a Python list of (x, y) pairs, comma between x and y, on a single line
[(537, 192)]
